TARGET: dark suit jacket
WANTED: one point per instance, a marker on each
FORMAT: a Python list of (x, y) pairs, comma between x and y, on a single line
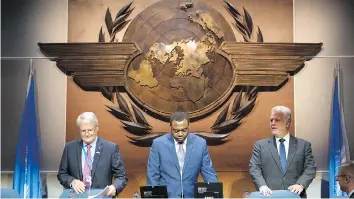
[(265, 166), (106, 165), (351, 196), (163, 167)]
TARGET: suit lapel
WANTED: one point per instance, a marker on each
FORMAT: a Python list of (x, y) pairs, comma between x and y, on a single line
[(172, 148), (79, 156), (96, 157), (274, 152), (189, 151), (291, 151)]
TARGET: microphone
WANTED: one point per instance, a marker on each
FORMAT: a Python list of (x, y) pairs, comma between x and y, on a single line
[(182, 195), (89, 188), (88, 181)]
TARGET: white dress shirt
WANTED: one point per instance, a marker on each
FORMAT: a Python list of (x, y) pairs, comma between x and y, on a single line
[(350, 193), (184, 146), (286, 144), (93, 149)]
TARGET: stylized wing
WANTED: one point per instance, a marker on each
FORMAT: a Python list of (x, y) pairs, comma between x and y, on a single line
[(92, 65), (267, 64)]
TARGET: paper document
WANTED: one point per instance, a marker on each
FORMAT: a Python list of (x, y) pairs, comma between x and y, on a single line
[(100, 194)]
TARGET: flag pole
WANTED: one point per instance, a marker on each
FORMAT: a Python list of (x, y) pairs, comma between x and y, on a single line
[(26, 178), (345, 156), (31, 72)]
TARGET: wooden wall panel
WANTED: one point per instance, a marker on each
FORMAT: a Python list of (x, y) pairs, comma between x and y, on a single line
[(274, 17)]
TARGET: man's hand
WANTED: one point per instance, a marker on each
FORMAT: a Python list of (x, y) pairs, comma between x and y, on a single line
[(78, 186), (296, 188), (265, 190), (112, 191)]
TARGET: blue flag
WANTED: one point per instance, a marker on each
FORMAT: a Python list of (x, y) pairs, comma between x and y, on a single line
[(26, 180), (339, 149)]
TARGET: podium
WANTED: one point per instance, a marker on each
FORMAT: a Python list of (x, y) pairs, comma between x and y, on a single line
[(70, 193), (276, 194)]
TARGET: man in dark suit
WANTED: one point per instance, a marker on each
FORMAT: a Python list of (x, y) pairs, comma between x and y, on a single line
[(177, 158), (345, 178), (91, 162), (282, 161)]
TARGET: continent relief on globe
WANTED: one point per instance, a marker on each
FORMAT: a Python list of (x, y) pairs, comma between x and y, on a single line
[(187, 56)]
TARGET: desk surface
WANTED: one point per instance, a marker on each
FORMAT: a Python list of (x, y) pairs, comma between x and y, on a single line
[(70, 193), (276, 194)]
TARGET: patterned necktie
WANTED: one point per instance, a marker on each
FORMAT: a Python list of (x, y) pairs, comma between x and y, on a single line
[(282, 155), (87, 170), (181, 154)]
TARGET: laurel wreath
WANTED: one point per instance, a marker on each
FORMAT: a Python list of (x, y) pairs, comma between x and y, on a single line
[(243, 23), (228, 120), (113, 27)]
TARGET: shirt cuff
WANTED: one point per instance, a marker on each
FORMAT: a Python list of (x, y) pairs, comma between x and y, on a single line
[(71, 186)]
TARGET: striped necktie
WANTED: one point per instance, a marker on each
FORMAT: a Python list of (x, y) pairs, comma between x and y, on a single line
[(87, 165)]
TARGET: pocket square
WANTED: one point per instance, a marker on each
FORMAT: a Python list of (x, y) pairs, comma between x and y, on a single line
[(98, 152)]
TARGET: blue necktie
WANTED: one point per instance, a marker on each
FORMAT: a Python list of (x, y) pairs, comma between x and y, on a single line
[(282, 155)]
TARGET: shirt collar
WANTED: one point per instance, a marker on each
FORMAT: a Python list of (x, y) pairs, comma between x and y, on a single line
[(93, 144), (286, 138), (352, 192), (184, 143)]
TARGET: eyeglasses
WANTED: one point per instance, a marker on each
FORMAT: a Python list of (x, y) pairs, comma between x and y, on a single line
[(340, 176), (87, 130)]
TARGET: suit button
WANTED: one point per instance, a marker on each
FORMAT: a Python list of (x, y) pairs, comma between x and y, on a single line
[(284, 178)]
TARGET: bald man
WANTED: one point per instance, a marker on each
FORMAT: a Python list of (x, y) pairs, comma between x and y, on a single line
[(345, 178)]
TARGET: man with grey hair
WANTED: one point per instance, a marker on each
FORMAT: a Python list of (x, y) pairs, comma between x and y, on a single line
[(177, 158), (282, 161), (345, 178), (91, 162)]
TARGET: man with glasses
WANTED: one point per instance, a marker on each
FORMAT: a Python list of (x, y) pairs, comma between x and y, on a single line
[(91, 162), (176, 159), (345, 178)]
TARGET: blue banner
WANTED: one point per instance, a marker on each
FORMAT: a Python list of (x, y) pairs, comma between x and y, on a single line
[(338, 140), (26, 180)]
